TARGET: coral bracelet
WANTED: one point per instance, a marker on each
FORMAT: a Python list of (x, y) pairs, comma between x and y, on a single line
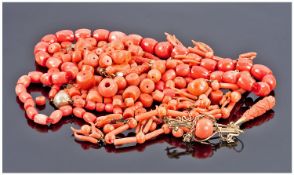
[(127, 76)]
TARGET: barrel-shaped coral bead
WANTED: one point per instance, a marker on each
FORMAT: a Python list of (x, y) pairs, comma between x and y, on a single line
[(85, 80), (147, 86), (132, 92), (198, 86), (56, 116), (35, 76), (107, 87), (83, 33), (19, 88), (79, 112), (66, 110), (64, 35), (40, 100), (41, 119), (101, 34), (31, 112), (24, 80)]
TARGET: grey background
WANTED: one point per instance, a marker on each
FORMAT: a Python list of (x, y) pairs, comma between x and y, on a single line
[(230, 28)]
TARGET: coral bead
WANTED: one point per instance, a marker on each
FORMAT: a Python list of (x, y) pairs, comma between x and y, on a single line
[(79, 112), (198, 86), (41, 58), (163, 49), (66, 110), (116, 35), (56, 116), (199, 72), (159, 65), (41, 46), (217, 75), (49, 38), (259, 71), (245, 81), (148, 44), (244, 65), (226, 64), (65, 35), (182, 70), (230, 77), (107, 87), (208, 64), (40, 100), (270, 80), (147, 86), (83, 33), (154, 75), (133, 79), (85, 80), (91, 59), (121, 82), (53, 62), (169, 75), (261, 89), (101, 34), (178, 133), (204, 128)]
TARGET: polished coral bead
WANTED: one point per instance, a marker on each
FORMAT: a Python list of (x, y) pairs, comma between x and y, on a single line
[(19, 88), (41, 58), (133, 79), (85, 80), (90, 105), (108, 107), (147, 86), (204, 128), (154, 75), (79, 112), (65, 35), (35, 76), (226, 64), (59, 78), (31, 112), (107, 87), (24, 96), (91, 59), (56, 116), (101, 34), (148, 44), (71, 69), (40, 100), (53, 62), (259, 71), (78, 101), (49, 38), (121, 82), (66, 110), (169, 75), (163, 49), (89, 117), (54, 47), (135, 38), (208, 64), (24, 80), (198, 86), (116, 35), (182, 70), (41, 46), (100, 107), (83, 33), (29, 103), (199, 72)]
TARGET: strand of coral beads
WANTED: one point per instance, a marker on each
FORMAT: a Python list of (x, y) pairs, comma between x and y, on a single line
[(125, 74)]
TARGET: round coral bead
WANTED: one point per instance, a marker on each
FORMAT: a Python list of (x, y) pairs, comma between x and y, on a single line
[(83, 33), (65, 35), (85, 80), (107, 87), (198, 86), (148, 44), (204, 128), (163, 49), (101, 34)]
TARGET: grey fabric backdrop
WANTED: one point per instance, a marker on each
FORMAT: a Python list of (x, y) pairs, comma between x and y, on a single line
[(230, 28)]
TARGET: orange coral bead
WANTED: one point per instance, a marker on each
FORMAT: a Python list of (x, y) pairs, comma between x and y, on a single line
[(85, 80), (204, 128), (147, 86), (107, 87), (198, 86)]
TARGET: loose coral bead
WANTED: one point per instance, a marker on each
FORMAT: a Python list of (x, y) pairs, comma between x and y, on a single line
[(82, 33), (216, 96), (120, 56), (76, 56), (169, 84), (270, 80), (147, 86), (116, 35), (198, 86), (107, 87), (231, 77), (94, 96), (163, 50), (204, 128), (160, 85), (171, 63), (64, 35), (148, 44), (101, 34), (71, 69), (85, 80), (40, 100)]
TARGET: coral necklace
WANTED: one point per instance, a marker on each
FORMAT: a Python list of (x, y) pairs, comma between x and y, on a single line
[(125, 75)]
